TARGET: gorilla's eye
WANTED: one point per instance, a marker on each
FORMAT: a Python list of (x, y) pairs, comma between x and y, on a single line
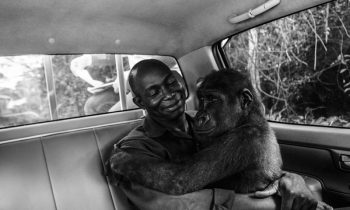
[(211, 98), (208, 99)]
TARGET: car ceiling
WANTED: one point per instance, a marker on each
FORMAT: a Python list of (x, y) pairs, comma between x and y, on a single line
[(164, 27)]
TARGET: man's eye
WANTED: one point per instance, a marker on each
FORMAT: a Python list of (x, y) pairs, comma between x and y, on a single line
[(152, 92), (172, 82)]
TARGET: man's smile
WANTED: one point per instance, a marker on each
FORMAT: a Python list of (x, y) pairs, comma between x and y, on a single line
[(173, 106)]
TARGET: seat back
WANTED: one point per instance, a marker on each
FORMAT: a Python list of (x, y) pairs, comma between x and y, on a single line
[(61, 171)]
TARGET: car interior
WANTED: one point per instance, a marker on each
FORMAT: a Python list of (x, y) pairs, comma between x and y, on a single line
[(53, 145)]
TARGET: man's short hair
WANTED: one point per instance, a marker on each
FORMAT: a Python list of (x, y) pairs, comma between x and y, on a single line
[(141, 66)]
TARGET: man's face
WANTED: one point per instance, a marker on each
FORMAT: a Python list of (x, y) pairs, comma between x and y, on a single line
[(160, 93)]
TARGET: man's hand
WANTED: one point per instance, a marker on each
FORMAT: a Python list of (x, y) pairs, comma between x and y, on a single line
[(268, 191), (295, 194)]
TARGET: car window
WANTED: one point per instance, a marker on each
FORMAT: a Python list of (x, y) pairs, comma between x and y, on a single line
[(38, 88), (300, 65)]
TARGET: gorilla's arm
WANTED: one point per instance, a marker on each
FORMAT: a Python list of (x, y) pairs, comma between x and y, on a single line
[(211, 164)]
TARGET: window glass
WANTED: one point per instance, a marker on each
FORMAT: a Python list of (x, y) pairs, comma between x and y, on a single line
[(23, 93), (300, 65), (37, 88)]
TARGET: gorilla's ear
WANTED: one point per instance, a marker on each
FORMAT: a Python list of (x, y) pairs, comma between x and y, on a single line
[(137, 100), (246, 98)]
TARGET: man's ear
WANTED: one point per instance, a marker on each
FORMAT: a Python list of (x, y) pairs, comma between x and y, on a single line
[(199, 82), (137, 100), (246, 98), (181, 80)]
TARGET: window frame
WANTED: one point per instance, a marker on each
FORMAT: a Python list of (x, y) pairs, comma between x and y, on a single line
[(222, 62)]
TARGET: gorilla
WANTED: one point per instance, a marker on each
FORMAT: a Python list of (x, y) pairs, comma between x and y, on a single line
[(230, 123)]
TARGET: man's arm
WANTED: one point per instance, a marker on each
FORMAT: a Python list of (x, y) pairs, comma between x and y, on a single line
[(294, 193), (157, 174)]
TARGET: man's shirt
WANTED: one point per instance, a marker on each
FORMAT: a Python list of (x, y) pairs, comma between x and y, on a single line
[(155, 141)]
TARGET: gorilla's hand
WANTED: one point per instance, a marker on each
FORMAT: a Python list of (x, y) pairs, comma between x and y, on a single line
[(122, 163)]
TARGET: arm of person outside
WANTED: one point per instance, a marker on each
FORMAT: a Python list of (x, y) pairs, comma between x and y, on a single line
[(127, 86), (77, 67)]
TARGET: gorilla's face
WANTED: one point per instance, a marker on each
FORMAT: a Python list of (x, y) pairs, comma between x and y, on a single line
[(224, 102), (216, 114)]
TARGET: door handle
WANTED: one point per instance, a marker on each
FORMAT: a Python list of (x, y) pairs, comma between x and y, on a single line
[(341, 159)]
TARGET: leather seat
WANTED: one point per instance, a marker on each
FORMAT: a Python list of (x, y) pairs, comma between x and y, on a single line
[(62, 171)]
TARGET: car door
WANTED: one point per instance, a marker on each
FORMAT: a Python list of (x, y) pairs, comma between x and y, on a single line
[(300, 65)]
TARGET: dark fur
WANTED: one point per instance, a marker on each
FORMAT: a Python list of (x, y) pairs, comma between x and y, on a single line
[(249, 150), (242, 155)]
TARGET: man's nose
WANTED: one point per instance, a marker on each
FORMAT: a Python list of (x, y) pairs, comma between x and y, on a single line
[(168, 94)]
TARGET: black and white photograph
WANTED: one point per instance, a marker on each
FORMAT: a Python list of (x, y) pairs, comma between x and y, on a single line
[(175, 105)]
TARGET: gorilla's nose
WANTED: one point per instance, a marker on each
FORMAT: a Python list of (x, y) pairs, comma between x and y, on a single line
[(201, 120)]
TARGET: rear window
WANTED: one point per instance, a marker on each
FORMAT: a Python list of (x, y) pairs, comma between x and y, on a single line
[(38, 88), (300, 65)]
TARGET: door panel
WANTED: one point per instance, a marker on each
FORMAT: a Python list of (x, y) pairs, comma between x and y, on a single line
[(315, 156)]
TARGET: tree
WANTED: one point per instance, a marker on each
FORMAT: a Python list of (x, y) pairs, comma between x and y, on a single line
[(301, 62)]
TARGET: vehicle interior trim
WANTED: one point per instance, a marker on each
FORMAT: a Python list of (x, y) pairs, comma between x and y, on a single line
[(51, 89), (22, 133), (121, 81), (314, 136), (60, 29), (193, 66)]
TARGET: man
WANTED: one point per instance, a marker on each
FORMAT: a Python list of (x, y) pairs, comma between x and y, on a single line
[(166, 136)]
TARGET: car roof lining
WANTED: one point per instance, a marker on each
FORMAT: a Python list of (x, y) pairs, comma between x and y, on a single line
[(163, 27)]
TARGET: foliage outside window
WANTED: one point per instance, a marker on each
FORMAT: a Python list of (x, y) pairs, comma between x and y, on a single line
[(22, 90), (300, 64), (38, 88)]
